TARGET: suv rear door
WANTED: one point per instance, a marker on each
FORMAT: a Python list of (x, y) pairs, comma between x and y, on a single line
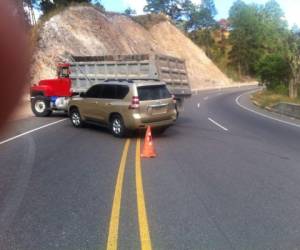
[(156, 103)]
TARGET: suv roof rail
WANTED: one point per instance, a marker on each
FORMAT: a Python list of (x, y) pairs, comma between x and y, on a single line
[(118, 80)]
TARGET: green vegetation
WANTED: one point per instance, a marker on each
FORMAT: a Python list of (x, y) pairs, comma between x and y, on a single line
[(257, 31), (274, 71)]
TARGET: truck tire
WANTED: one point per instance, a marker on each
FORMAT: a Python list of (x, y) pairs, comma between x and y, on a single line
[(117, 126), (76, 118), (40, 106)]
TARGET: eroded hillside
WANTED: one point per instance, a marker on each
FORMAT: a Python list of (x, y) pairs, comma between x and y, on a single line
[(83, 30)]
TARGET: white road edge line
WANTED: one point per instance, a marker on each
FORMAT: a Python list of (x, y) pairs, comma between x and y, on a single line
[(217, 124), (31, 131), (237, 100)]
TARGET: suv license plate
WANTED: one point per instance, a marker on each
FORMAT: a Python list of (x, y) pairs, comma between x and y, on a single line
[(158, 111)]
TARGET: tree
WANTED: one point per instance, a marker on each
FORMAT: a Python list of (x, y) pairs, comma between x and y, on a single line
[(243, 21), (129, 12), (199, 16), (172, 8), (201, 24), (274, 71), (256, 31), (275, 27), (294, 62), (209, 7), (99, 5)]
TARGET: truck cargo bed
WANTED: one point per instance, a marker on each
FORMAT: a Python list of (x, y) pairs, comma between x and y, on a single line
[(89, 70)]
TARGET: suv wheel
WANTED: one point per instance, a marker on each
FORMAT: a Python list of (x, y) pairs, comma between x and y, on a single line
[(76, 118), (117, 126), (40, 106)]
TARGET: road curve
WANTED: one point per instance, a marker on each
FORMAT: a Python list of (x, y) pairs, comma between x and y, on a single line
[(225, 178)]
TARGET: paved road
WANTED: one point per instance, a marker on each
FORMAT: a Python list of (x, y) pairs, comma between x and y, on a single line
[(225, 178)]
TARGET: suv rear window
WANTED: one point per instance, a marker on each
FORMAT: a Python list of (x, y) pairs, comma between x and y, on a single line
[(154, 92)]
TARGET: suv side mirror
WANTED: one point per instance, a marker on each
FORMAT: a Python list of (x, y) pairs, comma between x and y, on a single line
[(82, 94)]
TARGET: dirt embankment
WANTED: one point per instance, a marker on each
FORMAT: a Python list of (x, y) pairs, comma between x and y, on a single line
[(83, 30)]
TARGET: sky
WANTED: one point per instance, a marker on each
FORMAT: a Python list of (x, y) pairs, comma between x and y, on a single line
[(290, 7)]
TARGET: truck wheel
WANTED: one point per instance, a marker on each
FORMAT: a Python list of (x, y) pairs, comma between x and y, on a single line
[(76, 118), (117, 126), (40, 106)]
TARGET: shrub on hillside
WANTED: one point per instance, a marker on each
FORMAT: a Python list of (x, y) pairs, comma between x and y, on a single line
[(149, 20)]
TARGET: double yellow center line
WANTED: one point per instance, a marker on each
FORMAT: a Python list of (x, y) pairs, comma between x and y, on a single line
[(112, 241)]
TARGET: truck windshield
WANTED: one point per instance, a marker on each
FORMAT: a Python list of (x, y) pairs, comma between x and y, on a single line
[(63, 72), (154, 92)]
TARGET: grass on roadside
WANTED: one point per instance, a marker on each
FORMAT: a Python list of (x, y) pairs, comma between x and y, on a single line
[(268, 98)]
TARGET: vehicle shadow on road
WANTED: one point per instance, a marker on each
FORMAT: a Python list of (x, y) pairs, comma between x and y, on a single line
[(133, 134), (59, 114)]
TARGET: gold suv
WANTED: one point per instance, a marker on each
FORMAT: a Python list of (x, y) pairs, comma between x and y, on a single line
[(124, 105)]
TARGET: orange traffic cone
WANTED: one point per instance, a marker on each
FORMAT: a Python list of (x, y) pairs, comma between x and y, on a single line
[(148, 150)]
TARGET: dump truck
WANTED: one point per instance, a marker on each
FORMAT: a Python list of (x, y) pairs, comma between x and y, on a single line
[(82, 72)]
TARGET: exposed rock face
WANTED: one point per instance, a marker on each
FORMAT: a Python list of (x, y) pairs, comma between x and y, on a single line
[(83, 30)]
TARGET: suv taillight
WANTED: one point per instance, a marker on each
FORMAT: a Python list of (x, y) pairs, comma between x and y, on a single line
[(135, 102)]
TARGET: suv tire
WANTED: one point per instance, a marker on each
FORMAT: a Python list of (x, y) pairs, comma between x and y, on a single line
[(76, 118), (117, 126), (40, 106)]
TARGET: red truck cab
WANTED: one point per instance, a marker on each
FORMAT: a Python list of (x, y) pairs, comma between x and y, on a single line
[(52, 94)]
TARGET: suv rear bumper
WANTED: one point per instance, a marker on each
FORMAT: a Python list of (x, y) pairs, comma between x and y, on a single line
[(137, 123)]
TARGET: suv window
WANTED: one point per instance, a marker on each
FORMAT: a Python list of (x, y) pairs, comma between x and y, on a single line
[(109, 92), (154, 92), (114, 91), (122, 91), (94, 92)]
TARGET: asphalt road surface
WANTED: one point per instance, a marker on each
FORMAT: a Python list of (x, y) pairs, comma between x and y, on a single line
[(226, 176)]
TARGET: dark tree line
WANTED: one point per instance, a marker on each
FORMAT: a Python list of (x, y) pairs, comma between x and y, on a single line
[(185, 13)]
